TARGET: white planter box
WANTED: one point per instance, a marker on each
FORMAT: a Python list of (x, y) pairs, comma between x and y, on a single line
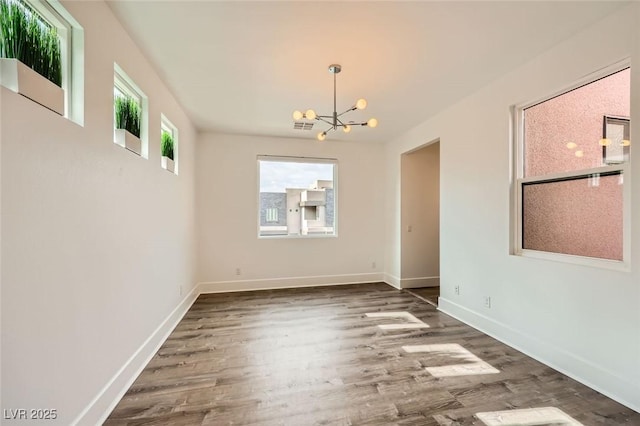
[(16, 76), (168, 163), (129, 141)]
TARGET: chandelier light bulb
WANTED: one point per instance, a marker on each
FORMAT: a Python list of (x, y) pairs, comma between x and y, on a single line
[(310, 114), (605, 142), (625, 142), (297, 115), (346, 128), (579, 154), (361, 104), (372, 122), (322, 136), (571, 145)]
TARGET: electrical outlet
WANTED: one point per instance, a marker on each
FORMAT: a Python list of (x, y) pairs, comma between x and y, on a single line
[(487, 301), (457, 290), (238, 271), (373, 265)]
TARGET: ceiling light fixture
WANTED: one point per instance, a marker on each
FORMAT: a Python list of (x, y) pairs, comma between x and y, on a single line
[(334, 119)]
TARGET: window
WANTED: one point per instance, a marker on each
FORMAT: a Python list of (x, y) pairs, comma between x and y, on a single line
[(133, 116), (168, 145), (71, 35), (572, 155), (271, 215), (296, 197)]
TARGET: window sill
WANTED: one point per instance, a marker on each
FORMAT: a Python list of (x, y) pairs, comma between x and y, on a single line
[(614, 265), (296, 237)]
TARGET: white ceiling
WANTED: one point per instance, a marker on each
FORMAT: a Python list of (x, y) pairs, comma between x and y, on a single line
[(244, 67)]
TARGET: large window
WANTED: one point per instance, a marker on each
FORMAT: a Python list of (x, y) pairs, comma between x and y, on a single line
[(297, 197), (572, 156)]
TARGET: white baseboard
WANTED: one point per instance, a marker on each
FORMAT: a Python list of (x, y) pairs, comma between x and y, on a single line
[(392, 280), (289, 282), (101, 406), (576, 367), (420, 282)]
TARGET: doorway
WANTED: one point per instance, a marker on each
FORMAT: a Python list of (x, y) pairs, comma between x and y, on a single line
[(420, 221)]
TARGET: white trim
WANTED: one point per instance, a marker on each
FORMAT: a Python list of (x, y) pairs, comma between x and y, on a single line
[(614, 265), (97, 411), (289, 282), (594, 376), (125, 89), (419, 282), (582, 81), (393, 281), (295, 159), (583, 173)]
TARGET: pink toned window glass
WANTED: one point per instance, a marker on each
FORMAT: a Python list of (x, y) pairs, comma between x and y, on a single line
[(574, 117), (582, 217)]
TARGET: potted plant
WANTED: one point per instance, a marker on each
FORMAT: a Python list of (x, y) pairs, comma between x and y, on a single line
[(30, 62), (127, 132), (166, 147)]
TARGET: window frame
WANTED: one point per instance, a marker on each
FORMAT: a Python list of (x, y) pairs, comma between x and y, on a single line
[(299, 159), (169, 127), (125, 84), (519, 181), (71, 36)]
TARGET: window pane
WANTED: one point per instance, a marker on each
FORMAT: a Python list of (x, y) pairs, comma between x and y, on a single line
[(582, 216), (296, 198), (272, 214), (563, 134)]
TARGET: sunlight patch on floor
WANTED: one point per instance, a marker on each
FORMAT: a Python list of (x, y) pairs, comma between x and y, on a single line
[(471, 364), (412, 321), (529, 417)]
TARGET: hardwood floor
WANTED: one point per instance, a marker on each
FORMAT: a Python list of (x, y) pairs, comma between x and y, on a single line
[(428, 294), (312, 356)]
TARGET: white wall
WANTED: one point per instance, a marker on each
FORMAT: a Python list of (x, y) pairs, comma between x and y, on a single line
[(227, 194), (420, 208), (96, 241), (583, 320)]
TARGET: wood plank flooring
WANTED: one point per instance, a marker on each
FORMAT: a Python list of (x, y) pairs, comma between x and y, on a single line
[(312, 356), (428, 294)]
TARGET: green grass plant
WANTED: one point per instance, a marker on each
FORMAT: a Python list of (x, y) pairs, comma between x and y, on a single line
[(128, 114), (167, 145), (28, 38)]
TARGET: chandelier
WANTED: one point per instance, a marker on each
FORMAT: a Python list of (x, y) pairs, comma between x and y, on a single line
[(334, 120)]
